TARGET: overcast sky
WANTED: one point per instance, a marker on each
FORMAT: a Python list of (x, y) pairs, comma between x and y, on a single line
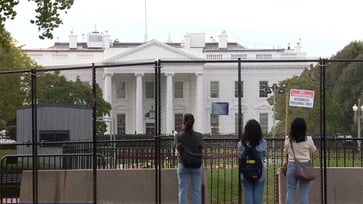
[(324, 26)]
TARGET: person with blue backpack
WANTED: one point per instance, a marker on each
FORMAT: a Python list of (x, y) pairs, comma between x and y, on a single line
[(252, 153)]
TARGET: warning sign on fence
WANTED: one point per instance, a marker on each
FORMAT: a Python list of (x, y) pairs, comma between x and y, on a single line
[(301, 98)]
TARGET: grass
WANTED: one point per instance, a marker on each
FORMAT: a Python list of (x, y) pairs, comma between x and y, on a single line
[(223, 184)]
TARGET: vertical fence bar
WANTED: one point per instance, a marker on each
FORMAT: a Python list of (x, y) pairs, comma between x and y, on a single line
[(158, 122), (94, 140), (156, 136), (34, 134), (323, 178), (324, 130), (239, 127)]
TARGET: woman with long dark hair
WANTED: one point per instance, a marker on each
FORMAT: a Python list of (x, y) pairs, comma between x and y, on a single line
[(252, 138), (303, 146), (191, 141)]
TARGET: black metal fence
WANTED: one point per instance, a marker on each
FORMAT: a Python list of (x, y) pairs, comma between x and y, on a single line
[(13, 165), (220, 162)]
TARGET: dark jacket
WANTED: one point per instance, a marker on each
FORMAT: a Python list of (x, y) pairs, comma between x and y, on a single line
[(193, 143)]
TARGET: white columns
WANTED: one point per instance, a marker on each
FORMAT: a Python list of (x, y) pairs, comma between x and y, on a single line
[(138, 104), (107, 91), (107, 95), (169, 103), (199, 116)]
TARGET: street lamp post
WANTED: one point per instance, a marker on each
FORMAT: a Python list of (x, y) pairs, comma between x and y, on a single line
[(358, 118)]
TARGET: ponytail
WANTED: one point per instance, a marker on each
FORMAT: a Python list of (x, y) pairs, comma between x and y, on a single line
[(188, 121)]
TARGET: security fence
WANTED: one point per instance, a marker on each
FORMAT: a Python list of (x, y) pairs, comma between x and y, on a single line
[(43, 143), (220, 162)]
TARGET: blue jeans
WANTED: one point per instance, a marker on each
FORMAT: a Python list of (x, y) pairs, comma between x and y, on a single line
[(253, 192), (291, 183), (184, 176)]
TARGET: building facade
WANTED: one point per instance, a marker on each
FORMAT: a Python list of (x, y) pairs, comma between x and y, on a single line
[(185, 87)]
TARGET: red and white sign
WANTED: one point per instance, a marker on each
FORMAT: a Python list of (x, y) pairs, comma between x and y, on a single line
[(301, 98)]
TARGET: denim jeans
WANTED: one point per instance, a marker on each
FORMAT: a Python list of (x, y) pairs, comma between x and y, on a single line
[(253, 192), (184, 176), (291, 183)]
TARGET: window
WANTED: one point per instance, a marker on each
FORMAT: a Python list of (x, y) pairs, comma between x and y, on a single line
[(149, 89), (263, 86), (53, 136), (236, 89), (59, 56), (264, 122), (236, 123), (120, 89), (263, 56), (178, 121), (178, 89), (236, 56), (214, 56), (121, 124), (214, 89), (214, 124), (150, 128)]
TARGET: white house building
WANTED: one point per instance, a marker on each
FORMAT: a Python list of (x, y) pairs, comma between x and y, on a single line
[(185, 87)]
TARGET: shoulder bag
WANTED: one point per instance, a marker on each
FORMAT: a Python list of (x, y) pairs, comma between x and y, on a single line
[(304, 170)]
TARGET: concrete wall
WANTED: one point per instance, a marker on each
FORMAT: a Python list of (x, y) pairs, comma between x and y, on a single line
[(344, 185), (113, 186)]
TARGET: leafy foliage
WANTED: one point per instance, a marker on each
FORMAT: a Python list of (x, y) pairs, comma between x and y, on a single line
[(53, 88), (15, 89), (308, 80), (47, 16), (344, 85), (11, 58)]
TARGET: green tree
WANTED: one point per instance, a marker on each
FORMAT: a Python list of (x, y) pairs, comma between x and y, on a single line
[(308, 80), (56, 89), (52, 88), (12, 95), (47, 16), (344, 85)]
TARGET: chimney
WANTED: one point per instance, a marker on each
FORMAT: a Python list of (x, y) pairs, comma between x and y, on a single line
[(194, 40), (222, 43), (187, 39), (106, 40), (72, 41), (298, 46)]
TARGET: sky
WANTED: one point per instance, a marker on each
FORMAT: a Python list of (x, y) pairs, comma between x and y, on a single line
[(323, 27)]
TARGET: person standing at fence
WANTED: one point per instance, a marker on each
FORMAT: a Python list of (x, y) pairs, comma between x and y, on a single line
[(303, 146), (189, 144), (252, 138)]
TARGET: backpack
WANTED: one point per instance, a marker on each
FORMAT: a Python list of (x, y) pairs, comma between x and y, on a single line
[(251, 165), (190, 159)]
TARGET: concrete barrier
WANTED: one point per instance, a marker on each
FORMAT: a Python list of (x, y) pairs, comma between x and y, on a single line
[(344, 185), (135, 186)]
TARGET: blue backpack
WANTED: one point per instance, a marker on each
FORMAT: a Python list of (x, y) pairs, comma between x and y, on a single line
[(251, 165)]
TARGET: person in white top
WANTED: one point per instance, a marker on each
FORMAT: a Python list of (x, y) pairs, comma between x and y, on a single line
[(303, 148)]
